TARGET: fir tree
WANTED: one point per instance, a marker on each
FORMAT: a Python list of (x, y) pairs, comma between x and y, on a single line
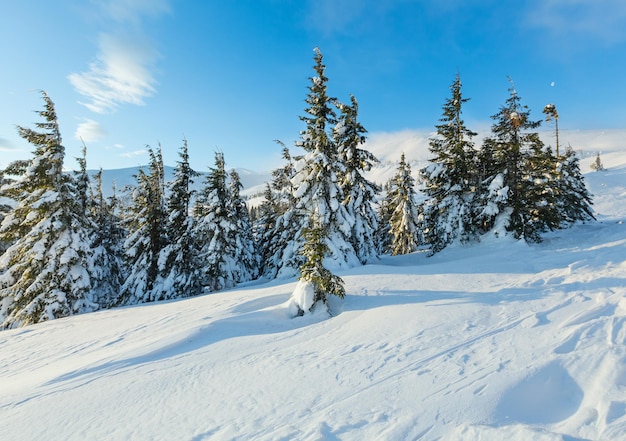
[(575, 201), (213, 230), (318, 176), (403, 209), (106, 244), (359, 193), (147, 234), (275, 227), (179, 266), (450, 180), (242, 239), (518, 182), (45, 273), (314, 276)]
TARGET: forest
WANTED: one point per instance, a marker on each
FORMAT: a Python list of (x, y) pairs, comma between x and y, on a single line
[(67, 249)]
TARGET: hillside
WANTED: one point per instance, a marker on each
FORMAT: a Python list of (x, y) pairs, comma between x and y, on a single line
[(500, 340)]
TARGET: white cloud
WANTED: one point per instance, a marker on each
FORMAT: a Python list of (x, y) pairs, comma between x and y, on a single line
[(90, 131), (120, 75), (134, 153)]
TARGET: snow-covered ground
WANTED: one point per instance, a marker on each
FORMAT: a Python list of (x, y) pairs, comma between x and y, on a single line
[(497, 341)]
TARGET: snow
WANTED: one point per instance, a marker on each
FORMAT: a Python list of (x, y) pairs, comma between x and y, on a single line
[(500, 340)]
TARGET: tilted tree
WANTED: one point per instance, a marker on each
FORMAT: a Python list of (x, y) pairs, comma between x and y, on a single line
[(450, 180), (45, 273)]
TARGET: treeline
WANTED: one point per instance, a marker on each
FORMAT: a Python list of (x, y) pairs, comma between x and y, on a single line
[(67, 249)]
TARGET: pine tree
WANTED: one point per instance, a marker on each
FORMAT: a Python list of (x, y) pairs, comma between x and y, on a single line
[(403, 209), (318, 174), (359, 193), (107, 241), (213, 230), (242, 239), (147, 234), (276, 227), (450, 180), (179, 266), (316, 282), (518, 181), (45, 273), (575, 201)]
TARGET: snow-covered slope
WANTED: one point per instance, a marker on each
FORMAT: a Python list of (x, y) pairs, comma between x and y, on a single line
[(501, 340)]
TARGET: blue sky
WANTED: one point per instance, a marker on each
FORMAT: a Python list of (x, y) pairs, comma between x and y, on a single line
[(233, 75)]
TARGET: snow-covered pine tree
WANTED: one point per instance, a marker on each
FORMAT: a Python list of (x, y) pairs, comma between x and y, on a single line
[(450, 180), (516, 185), (317, 178), (574, 203), (245, 255), (276, 228), (359, 193), (146, 234), (45, 273), (179, 266), (107, 241), (213, 229), (316, 282), (403, 209)]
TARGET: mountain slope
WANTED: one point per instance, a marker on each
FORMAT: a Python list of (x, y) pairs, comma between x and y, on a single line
[(500, 340)]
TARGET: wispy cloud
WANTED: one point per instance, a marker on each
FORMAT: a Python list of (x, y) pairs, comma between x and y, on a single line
[(601, 20), (120, 75), (123, 69), (5, 145), (134, 153), (90, 131)]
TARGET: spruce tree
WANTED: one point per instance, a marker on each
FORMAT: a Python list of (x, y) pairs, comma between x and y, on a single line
[(179, 266), (213, 229), (597, 165), (147, 234), (318, 175), (450, 180), (359, 193), (517, 185), (45, 273), (107, 245), (245, 255), (316, 282), (575, 201), (404, 225), (276, 227)]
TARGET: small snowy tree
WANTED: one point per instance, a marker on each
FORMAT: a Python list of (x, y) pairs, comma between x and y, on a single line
[(359, 193), (574, 203), (45, 273), (403, 219), (316, 282), (450, 180), (597, 165)]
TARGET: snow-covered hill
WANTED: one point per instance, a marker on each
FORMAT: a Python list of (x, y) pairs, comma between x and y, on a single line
[(500, 340)]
